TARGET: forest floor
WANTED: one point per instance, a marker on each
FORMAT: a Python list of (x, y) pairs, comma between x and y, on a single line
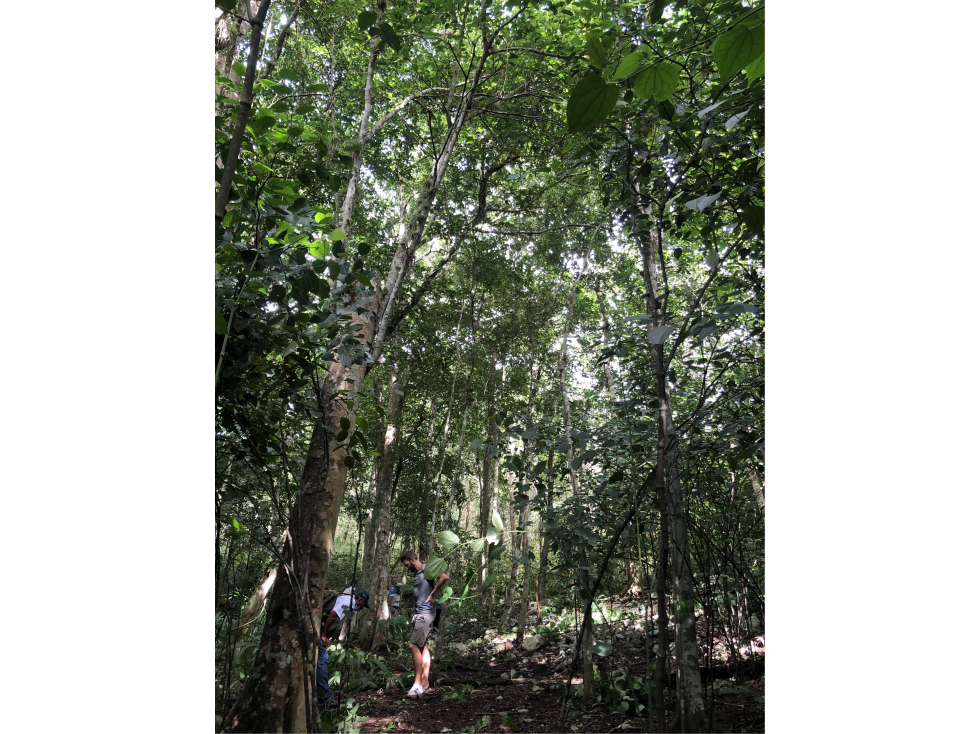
[(488, 685)]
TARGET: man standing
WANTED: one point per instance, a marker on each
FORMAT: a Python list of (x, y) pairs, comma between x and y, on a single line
[(342, 608), (424, 593)]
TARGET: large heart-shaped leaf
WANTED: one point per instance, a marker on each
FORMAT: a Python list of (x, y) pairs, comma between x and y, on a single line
[(597, 56), (600, 648), (737, 48), (590, 102), (755, 69), (658, 335), (435, 567), (497, 520), (366, 19), (448, 539), (220, 324), (629, 65), (658, 82), (390, 37)]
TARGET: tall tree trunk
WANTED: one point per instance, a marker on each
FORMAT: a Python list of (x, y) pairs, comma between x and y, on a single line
[(278, 693), (459, 459), (545, 543), (691, 709), (445, 434), (486, 492), (426, 539), (244, 110), (511, 587), (379, 575)]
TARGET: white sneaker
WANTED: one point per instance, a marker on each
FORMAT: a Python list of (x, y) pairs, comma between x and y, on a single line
[(416, 691)]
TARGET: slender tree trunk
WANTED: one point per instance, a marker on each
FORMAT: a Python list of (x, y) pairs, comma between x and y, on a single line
[(244, 109), (511, 587), (691, 709), (426, 540), (379, 576), (486, 492), (545, 544), (445, 434)]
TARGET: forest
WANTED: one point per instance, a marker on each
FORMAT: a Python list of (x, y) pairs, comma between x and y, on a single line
[(490, 287)]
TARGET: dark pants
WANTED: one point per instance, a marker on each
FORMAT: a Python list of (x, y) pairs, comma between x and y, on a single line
[(322, 677)]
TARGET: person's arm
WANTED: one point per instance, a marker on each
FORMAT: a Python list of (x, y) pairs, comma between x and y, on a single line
[(439, 584), (327, 624)]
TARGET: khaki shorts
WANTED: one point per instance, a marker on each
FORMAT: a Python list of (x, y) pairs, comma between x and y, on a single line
[(421, 629)]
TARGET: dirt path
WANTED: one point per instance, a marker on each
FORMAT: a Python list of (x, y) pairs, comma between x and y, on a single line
[(488, 686)]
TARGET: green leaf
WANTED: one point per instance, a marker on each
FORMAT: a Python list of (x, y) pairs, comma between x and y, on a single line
[(713, 259), (446, 592), (366, 19), (345, 424), (488, 583), (320, 216), (448, 540), (659, 334), (496, 551), (290, 349), (737, 48), (493, 535), (754, 219), (435, 567), (334, 267), (337, 234), (475, 445), (391, 38), (702, 202), (220, 325), (227, 4), (601, 648), (755, 69), (363, 248), (317, 248), (658, 82), (617, 476), (629, 65), (239, 68), (595, 51), (590, 102), (497, 520), (348, 461)]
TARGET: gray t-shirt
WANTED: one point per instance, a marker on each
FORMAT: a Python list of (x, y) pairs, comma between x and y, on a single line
[(422, 589)]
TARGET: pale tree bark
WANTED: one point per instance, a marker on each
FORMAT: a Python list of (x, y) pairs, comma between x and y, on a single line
[(757, 485), (486, 493), (280, 41), (228, 31), (545, 543), (525, 510), (588, 671), (278, 693), (378, 576), (511, 587), (691, 709)]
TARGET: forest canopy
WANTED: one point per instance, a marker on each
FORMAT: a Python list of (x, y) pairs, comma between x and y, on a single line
[(490, 286)]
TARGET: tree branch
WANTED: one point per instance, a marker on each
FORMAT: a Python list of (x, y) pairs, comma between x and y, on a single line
[(244, 109)]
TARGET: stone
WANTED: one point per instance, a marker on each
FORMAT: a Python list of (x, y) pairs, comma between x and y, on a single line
[(531, 642)]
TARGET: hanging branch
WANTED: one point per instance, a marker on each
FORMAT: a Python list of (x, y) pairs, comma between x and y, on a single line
[(244, 109)]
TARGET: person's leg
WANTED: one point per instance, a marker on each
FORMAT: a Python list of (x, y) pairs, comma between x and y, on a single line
[(416, 657), (322, 676), (426, 661)]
